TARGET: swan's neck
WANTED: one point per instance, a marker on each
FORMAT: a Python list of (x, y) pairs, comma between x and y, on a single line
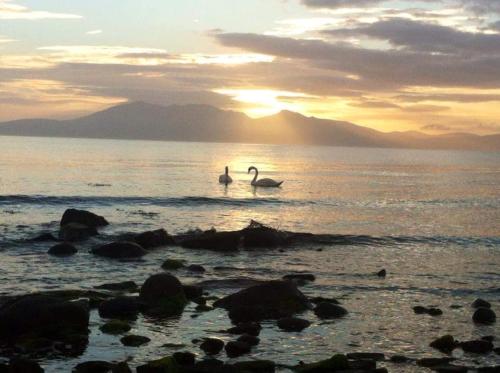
[(256, 175), (227, 171)]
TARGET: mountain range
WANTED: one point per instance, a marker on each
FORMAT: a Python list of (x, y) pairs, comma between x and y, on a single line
[(144, 121)]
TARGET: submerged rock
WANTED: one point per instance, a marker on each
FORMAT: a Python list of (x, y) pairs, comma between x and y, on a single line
[(477, 346), (120, 250), (251, 328), (212, 346), (62, 249), (293, 324), (196, 268), (44, 237), (237, 348), (164, 295), (269, 300), (445, 344), (172, 264), (335, 363), (126, 308), (327, 310), (129, 286), (83, 217), (76, 232), (249, 339), (484, 316), (153, 239), (134, 340), (481, 303), (211, 240), (115, 327)]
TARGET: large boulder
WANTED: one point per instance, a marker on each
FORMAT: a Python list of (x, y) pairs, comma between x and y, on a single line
[(211, 240), (76, 232), (269, 300), (42, 316), (163, 295), (83, 217), (152, 239), (120, 250)]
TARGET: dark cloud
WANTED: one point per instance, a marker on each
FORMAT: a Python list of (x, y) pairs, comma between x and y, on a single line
[(449, 97)]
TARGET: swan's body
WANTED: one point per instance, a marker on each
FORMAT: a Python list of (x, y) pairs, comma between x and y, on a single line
[(225, 178), (265, 183)]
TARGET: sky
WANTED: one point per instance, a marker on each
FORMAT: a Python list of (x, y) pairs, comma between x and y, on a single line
[(392, 65)]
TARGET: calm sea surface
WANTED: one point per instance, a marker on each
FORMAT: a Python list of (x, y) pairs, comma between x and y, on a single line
[(437, 211)]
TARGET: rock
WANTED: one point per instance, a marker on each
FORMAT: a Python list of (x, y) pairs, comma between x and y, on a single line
[(269, 300), (76, 232), (166, 365), (120, 308), (434, 312), (382, 273), (477, 346), (419, 310), (445, 344), (115, 327), (484, 316), (448, 368), (212, 346), (93, 367), (192, 292), (164, 295), (329, 311), (399, 359), (129, 286), (251, 328), (317, 300), (293, 324), (257, 235), (83, 217), (433, 361), (172, 264), (121, 368), (335, 363), (134, 340), (203, 308), (153, 239), (44, 237), (497, 350), (39, 315), (62, 249), (185, 358), (376, 356), (249, 339), (489, 338), (196, 268), (236, 348), (210, 366), (119, 250), (21, 365), (481, 303), (255, 366), (300, 278), (492, 369), (210, 240)]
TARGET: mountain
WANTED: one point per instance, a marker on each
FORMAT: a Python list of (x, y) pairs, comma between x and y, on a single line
[(143, 121)]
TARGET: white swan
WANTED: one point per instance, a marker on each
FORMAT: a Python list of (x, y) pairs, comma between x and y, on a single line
[(225, 178), (266, 183)]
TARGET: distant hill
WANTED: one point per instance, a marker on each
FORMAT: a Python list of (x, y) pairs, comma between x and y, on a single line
[(143, 121)]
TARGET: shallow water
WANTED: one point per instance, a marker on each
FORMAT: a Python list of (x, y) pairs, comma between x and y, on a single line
[(437, 214)]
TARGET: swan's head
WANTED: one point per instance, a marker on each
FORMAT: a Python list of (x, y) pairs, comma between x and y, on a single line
[(251, 168)]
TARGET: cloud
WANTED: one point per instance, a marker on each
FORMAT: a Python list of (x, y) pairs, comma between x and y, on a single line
[(94, 32), (11, 11), (334, 4)]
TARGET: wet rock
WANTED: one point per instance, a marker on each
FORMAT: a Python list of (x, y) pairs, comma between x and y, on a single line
[(300, 278), (477, 346), (492, 369), (62, 249), (192, 292), (172, 264), (293, 324), (335, 363), (93, 367), (434, 362), (185, 358), (115, 327), (489, 338), (121, 368), (481, 303), (363, 365), (210, 366), (420, 310), (203, 308), (119, 250), (329, 311), (44, 237), (196, 268), (39, 315), (83, 217), (317, 300), (21, 365), (484, 316), (153, 239), (166, 365), (376, 356), (76, 232), (211, 240), (129, 286), (212, 346), (164, 295), (126, 308), (434, 312), (445, 344), (255, 366), (269, 300), (449, 368), (257, 235), (382, 273), (134, 340), (251, 328), (237, 348), (399, 359), (249, 339), (497, 350)]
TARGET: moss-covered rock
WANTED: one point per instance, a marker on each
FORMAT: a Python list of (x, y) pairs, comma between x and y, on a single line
[(335, 363), (163, 295), (115, 327)]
